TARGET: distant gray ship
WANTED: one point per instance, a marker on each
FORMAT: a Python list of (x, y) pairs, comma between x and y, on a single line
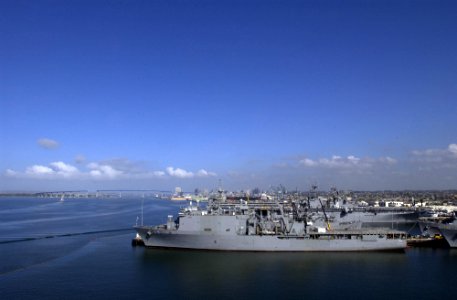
[(345, 216), (441, 223), (263, 226), (449, 231)]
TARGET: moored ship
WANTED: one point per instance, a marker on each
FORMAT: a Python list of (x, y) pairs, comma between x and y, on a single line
[(440, 224), (449, 231), (263, 226)]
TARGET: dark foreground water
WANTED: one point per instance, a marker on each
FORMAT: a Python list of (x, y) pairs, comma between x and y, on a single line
[(81, 249)]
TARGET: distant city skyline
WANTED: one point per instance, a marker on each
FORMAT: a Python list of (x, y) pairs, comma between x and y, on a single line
[(157, 94)]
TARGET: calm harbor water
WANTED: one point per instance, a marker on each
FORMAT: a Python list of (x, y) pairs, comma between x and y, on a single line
[(81, 248)]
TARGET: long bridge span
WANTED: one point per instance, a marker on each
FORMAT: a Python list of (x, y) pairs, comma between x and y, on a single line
[(102, 193)]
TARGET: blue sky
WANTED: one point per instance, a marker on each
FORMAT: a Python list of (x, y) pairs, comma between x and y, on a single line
[(157, 94)]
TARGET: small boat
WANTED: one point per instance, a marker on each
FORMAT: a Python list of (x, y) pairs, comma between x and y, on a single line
[(436, 241), (137, 241)]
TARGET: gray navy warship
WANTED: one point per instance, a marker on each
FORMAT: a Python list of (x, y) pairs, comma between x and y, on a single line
[(264, 226), (449, 232)]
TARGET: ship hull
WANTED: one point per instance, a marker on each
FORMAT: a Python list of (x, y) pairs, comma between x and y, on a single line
[(450, 234), (220, 242), (429, 228)]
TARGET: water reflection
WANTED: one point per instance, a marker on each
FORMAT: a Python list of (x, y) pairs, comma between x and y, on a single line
[(272, 275)]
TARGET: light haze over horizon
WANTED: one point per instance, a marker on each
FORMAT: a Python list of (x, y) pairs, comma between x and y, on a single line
[(156, 94)]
